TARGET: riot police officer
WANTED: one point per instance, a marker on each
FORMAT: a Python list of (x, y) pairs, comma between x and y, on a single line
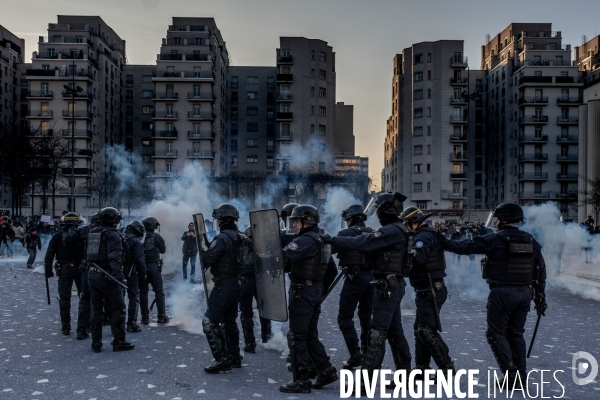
[(308, 258), (515, 271), (104, 256), (357, 289), (154, 246), (68, 261), (245, 302), (134, 268), (224, 261), (427, 278), (392, 263), (286, 210)]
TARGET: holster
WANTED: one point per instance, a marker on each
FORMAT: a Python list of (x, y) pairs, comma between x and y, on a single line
[(57, 268), (484, 267), (160, 265), (381, 285)]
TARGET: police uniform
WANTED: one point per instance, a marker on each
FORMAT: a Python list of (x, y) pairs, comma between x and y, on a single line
[(134, 267), (154, 246), (389, 247), (515, 267), (219, 323), (356, 291), (429, 261), (68, 260)]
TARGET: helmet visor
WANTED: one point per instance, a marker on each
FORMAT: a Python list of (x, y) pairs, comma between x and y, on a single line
[(290, 229), (215, 223), (371, 207), (490, 221), (143, 238), (343, 224)]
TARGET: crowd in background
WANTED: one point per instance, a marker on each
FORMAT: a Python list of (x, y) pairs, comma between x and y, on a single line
[(589, 225), (22, 235)]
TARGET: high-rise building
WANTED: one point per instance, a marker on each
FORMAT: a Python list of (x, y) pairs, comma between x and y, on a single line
[(11, 59), (532, 94), (75, 87)]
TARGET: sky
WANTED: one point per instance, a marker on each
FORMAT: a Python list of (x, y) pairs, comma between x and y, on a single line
[(365, 34)]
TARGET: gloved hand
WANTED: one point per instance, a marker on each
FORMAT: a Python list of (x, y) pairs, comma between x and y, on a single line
[(49, 273), (120, 277), (540, 304), (327, 238)]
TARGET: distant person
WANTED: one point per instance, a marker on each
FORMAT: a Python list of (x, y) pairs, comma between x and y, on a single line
[(8, 235), (190, 252), (33, 243)]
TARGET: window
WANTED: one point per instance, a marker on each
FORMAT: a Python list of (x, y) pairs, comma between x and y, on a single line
[(321, 56), (322, 74), (270, 145), (234, 129), (418, 76), (147, 109), (418, 131), (51, 53), (429, 111), (321, 166), (251, 159), (322, 129), (418, 150), (428, 75), (428, 149), (198, 41), (147, 94), (312, 128), (285, 52), (270, 82), (252, 111), (312, 55), (252, 95), (234, 82), (234, 161), (428, 131), (418, 58), (428, 171), (322, 111), (428, 57), (176, 40), (270, 162), (251, 142), (422, 205), (168, 167), (312, 109), (417, 187), (252, 80), (312, 91), (252, 127), (428, 93), (418, 113), (417, 168), (322, 92), (418, 94)]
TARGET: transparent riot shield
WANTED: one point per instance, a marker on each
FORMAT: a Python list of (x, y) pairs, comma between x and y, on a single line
[(270, 278), (202, 241)]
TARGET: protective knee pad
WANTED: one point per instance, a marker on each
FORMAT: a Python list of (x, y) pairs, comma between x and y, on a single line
[(291, 338), (436, 346), (400, 353), (503, 359), (375, 350)]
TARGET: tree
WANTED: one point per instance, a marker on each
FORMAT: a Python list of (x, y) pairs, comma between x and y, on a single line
[(103, 185), (590, 196)]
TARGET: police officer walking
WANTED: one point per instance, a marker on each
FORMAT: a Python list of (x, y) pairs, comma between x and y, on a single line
[(68, 261), (154, 246), (308, 257), (515, 271), (357, 289), (104, 256), (427, 278), (134, 268), (392, 263), (224, 261)]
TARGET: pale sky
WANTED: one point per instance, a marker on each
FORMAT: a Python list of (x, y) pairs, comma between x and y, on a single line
[(365, 34)]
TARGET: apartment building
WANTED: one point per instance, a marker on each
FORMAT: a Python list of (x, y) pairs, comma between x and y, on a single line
[(11, 59), (190, 100), (252, 105), (75, 87), (344, 140), (433, 123), (532, 95), (305, 104)]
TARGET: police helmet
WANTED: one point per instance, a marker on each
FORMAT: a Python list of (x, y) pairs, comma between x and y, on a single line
[(354, 210), (385, 203), (226, 210), (509, 212), (110, 216), (95, 220), (72, 218), (305, 213), (136, 227), (413, 215), (150, 223), (287, 210)]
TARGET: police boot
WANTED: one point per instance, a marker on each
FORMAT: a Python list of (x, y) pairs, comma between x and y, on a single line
[(355, 360), (329, 375), (236, 361), (216, 342), (82, 333), (300, 385), (145, 318), (66, 330), (219, 366), (400, 354), (133, 327), (122, 345), (248, 332), (96, 342), (265, 330), (162, 319)]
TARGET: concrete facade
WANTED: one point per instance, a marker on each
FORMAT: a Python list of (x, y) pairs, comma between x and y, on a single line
[(344, 129), (11, 61)]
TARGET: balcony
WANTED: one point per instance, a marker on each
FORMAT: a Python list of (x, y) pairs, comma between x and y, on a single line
[(205, 75), (569, 101), (457, 119), (78, 171), (569, 177), (526, 80), (199, 135), (568, 139), (533, 120), (567, 158), (284, 59), (533, 139), (458, 82), (449, 194), (284, 116), (460, 156), (285, 136), (197, 57), (457, 100), (285, 78), (170, 96), (462, 176), (77, 114), (79, 133), (458, 138), (164, 134), (163, 173), (459, 62), (201, 96), (284, 97), (78, 95), (534, 195), (201, 116), (564, 79), (78, 191), (193, 153), (168, 115), (168, 74), (164, 154), (533, 176), (39, 94), (533, 101), (40, 72), (169, 56), (39, 114), (533, 157), (85, 153), (565, 120)]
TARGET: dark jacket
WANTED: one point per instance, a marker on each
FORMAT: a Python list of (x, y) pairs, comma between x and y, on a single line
[(7, 234), (33, 241), (190, 245)]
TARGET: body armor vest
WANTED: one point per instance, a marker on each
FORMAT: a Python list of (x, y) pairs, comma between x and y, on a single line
[(435, 260), (96, 247), (354, 257), (313, 268), (517, 263), (66, 254), (128, 258), (151, 251), (230, 263), (394, 261), (248, 259)]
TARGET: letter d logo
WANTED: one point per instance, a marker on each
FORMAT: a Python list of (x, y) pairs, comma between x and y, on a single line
[(582, 367)]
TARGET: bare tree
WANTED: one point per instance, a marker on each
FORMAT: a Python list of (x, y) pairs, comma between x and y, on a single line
[(103, 185), (591, 195)]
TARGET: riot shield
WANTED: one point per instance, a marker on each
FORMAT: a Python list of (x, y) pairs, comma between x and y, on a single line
[(201, 239), (270, 278)]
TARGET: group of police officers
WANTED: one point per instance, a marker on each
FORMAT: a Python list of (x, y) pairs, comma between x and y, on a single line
[(373, 263)]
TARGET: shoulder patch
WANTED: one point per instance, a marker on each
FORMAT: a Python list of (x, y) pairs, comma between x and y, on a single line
[(419, 244), (293, 246), (377, 233), (213, 244)]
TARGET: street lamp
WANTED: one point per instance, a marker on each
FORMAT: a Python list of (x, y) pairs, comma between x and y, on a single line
[(72, 90)]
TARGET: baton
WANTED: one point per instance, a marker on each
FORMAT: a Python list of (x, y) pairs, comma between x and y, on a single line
[(47, 290), (332, 286), (109, 276), (537, 324)]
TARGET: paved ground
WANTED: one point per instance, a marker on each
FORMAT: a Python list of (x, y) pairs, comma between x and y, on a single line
[(36, 361)]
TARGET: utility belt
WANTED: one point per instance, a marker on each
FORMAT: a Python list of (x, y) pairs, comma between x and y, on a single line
[(519, 285), (426, 291), (298, 285), (217, 278), (386, 284), (354, 270)]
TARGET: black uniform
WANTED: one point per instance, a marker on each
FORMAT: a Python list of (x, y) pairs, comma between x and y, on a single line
[(105, 249), (515, 267), (78, 239), (224, 260), (356, 291), (391, 264), (154, 246), (429, 261), (308, 267), (68, 262), (134, 269)]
